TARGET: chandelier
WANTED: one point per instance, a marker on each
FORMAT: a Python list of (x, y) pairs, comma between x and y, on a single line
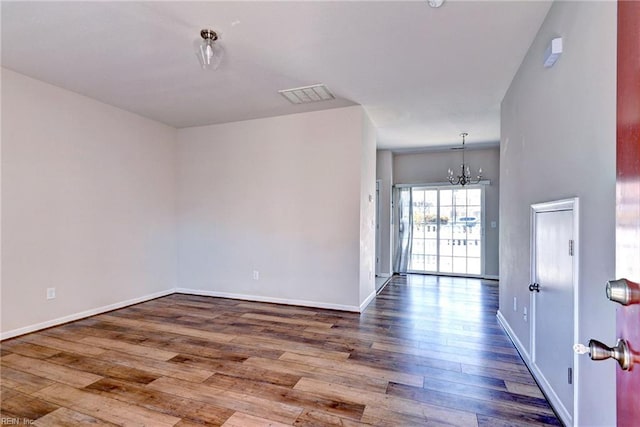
[(465, 174)]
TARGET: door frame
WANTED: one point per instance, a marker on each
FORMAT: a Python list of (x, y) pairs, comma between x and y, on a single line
[(572, 204)]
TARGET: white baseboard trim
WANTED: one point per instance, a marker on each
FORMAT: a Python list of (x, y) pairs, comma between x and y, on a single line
[(99, 310), (258, 298), (82, 315), (367, 301), (551, 395), (507, 328), (548, 391), (491, 277)]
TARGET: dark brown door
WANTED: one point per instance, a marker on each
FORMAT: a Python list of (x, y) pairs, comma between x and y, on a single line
[(628, 202)]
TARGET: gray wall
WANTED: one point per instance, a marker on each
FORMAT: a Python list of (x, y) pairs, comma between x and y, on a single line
[(430, 167), (558, 141), (384, 173)]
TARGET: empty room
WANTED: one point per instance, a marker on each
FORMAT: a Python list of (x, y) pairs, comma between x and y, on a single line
[(319, 213)]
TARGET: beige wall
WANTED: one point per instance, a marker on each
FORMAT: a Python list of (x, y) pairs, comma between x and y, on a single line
[(431, 167), (284, 196), (90, 207), (384, 173), (558, 141), (367, 211), (88, 204)]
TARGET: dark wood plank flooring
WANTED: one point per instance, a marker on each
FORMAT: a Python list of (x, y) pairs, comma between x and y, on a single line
[(427, 351)]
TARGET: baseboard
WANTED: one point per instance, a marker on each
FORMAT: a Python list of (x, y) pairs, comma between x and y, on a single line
[(514, 338), (81, 315), (367, 301), (544, 385), (552, 397), (384, 285), (491, 277), (258, 298), (99, 310)]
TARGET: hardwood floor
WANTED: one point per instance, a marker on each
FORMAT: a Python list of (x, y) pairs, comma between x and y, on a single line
[(427, 351)]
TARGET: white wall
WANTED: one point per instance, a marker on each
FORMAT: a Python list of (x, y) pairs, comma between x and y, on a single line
[(558, 141), (88, 195), (384, 173), (431, 167), (367, 212), (281, 196)]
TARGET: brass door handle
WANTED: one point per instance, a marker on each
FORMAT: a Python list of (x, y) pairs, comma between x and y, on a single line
[(623, 291)]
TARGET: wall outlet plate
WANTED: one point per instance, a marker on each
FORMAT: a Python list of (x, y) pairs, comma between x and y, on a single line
[(51, 293)]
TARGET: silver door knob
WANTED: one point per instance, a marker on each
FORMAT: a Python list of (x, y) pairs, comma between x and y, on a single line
[(621, 353), (623, 291)]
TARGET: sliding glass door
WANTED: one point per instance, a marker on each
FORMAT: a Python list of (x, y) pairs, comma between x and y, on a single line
[(446, 230)]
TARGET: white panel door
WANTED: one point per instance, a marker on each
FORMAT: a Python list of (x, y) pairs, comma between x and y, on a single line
[(552, 305)]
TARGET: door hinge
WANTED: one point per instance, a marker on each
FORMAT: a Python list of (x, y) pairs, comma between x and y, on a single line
[(570, 375), (571, 247)]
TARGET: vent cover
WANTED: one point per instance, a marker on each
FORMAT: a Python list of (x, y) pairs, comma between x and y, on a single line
[(307, 94)]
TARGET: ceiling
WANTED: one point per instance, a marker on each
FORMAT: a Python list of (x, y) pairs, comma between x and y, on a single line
[(424, 75)]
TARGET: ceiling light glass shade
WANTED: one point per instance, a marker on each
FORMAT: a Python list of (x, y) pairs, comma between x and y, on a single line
[(208, 51)]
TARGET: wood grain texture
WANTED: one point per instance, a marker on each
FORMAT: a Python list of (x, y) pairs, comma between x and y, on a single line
[(427, 351), (64, 417)]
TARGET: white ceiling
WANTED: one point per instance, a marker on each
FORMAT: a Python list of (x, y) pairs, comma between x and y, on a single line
[(423, 74)]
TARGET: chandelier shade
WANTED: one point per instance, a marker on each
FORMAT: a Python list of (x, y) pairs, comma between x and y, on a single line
[(465, 171), (208, 50)]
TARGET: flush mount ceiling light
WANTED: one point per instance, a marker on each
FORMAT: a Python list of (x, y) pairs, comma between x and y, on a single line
[(435, 3), (465, 174), (307, 94), (209, 52)]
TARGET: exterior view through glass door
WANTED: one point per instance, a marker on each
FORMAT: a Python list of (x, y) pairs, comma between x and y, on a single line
[(447, 230)]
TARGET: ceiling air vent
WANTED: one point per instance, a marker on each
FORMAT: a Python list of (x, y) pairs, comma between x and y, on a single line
[(307, 94)]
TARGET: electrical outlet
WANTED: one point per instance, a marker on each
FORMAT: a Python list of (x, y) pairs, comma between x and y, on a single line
[(256, 275), (524, 313), (51, 293), (515, 304)]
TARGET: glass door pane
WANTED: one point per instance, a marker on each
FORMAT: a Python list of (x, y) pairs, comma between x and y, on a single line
[(447, 230), (425, 231)]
